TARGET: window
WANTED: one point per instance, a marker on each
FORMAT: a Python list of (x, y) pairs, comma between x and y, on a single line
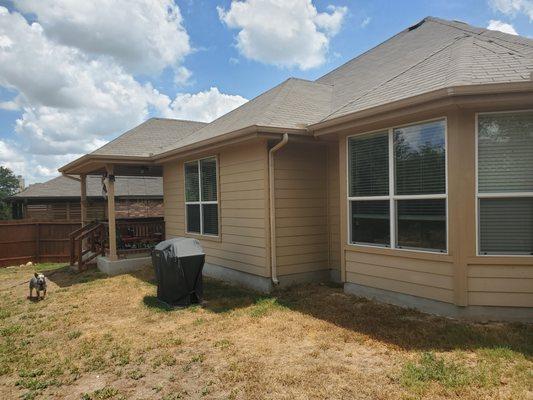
[(397, 187), (201, 198), (505, 183)]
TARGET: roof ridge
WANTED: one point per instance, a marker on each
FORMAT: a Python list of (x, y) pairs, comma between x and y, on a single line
[(285, 91), (367, 51), (453, 42), (483, 31)]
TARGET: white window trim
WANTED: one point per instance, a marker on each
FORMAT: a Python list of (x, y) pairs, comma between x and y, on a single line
[(504, 195), (393, 198), (200, 202)]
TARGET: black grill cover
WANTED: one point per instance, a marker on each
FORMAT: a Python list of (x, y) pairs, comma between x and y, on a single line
[(178, 265)]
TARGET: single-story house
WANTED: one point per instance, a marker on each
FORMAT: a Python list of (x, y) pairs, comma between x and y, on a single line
[(406, 174), (59, 199)]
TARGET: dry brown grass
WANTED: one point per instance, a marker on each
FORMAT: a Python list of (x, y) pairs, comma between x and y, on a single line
[(96, 338)]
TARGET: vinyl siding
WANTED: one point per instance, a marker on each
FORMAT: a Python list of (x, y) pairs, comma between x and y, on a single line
[(422, 278), (333, 207), (302, 243), (461, 277), (242, 242), (500, 285)]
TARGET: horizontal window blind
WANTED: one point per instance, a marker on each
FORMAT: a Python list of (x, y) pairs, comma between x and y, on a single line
[(208, 168), (201, 197), (192, 189), (369, 165), (193, 218), (506, 226), (505, 152), (210, 218), (420, 159)]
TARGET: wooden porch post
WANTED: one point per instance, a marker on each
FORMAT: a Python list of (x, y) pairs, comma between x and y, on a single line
[(83, 202), (111, 213)]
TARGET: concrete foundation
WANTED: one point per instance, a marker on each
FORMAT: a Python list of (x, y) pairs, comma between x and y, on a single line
[(261, 283), (122, 266), (476, 313), (254, 282)]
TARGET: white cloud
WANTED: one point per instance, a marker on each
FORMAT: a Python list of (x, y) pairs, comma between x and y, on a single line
[(182, 76), (204, 106), (365, 22), (286, 33), (144, 36), (72, 101), (501, 26), (513, 7)]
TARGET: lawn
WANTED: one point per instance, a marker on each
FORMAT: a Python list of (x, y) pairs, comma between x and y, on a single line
[(96, 337)]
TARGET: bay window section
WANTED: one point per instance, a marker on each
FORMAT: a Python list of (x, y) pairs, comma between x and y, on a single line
[(505, 183), (201, 197), (369, 189), (397, 188)]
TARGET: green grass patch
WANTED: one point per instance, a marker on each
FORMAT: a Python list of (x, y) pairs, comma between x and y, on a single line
[(264, 306), (73, 335), (11, 330), (107, 392), (432, 369)]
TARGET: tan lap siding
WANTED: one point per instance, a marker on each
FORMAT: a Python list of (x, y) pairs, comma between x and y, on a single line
[(301, 208), (500, 285), (422, 278), (242, 195), (333, 207)]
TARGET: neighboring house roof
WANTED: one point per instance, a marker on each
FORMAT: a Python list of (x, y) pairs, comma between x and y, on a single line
[(150, 137), (63, 187), (431, 55)]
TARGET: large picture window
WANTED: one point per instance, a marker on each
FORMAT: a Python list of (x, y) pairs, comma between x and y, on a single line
[(505, 183), (397, 187), (201, 197)]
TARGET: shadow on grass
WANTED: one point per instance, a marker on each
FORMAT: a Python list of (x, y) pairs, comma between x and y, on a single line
[(405, 328), (219, 297), (65, 277)]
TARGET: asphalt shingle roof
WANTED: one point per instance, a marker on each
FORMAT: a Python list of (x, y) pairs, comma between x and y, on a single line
[(293, 104), (125, 186), (150, 137), (433, 54)]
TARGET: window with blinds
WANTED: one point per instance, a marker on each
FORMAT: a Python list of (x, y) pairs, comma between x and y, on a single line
[(201, 196), (505, 183), (397, 187)]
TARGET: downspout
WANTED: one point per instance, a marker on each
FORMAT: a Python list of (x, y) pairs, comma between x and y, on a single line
[(272, 207)]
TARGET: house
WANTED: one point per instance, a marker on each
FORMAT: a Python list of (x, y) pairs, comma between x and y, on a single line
[(59, 199), (406, 174)]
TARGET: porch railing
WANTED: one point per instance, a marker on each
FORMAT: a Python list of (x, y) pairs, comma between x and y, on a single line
[(135, 235)]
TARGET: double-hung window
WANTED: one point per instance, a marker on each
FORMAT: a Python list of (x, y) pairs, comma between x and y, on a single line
[(397, 190), (201, 197), (505, 183)]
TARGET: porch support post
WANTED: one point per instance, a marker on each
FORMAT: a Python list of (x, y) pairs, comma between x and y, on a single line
[(111, 213), (83, 202)]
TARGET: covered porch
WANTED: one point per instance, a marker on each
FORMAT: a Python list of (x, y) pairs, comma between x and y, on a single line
[(116, 244)]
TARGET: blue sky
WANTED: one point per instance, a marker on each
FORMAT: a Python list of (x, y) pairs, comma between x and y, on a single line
[(81, 75)]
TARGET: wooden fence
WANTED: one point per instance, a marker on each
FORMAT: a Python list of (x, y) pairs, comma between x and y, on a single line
[(23, 241)]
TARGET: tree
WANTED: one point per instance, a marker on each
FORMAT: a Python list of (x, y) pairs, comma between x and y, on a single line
[(9, 185)]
